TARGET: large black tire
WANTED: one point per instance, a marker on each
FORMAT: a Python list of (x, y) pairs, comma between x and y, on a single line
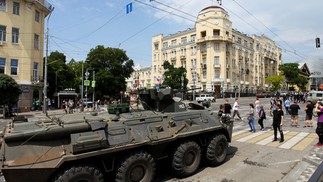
[(217, 150), (138, 167), (81, 173), (186, 159)]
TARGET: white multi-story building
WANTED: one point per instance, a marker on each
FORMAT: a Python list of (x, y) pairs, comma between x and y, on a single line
[(217, 57)]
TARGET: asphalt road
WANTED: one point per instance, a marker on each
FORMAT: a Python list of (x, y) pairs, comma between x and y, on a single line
[(248, 160)]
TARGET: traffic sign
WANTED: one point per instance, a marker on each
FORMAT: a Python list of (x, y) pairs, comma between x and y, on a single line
[(86, 82), (93, 84)]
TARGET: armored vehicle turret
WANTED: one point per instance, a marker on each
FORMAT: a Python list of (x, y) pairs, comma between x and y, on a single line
[(123, 143)]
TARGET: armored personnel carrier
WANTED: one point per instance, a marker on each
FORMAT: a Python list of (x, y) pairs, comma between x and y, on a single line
[(123, 143)]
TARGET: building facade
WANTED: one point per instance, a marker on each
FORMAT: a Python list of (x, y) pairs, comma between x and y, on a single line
[(21, 46), (217, 58), (140, 78)]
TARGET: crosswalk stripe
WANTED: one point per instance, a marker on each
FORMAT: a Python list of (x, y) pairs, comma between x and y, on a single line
[(261, 137), (241, 135), (253, 135), (239, 132), (287, 136), (305, 142), (269, 139), (290, 143)]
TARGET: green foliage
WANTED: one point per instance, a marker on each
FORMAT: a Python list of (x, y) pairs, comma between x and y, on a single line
[(291, 73), (59, 74), (112, 66), (173, 76), (9, 90), (276, 82)]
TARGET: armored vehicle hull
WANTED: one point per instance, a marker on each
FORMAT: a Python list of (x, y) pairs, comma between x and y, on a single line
[(82, 147)]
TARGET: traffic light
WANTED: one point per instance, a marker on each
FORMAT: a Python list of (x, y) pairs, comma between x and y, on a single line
[(317, 41)]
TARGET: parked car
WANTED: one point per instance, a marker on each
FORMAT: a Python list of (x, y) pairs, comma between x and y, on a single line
[(87, 102), (314, 96), (263, 95), (204, 97)]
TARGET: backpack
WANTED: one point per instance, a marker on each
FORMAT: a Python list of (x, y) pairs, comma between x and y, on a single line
[(264, 115)]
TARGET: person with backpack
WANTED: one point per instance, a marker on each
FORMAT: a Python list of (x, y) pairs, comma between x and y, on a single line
[(262, 116)]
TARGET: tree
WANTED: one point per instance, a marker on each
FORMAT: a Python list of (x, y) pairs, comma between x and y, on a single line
[(9, 91), (276, 82), (292, 75), (59, 75), (112, 66), (173, 76)]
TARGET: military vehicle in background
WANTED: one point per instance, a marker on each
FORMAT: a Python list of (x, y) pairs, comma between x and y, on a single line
[(121, 143)]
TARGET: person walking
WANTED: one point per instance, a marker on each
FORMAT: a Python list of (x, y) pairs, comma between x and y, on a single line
[(319, 128), (236, 109), (257, 104), (251, 119), (309, 114), (294, 113), (262, 116), (287, 105), (278, 121), (227, 107)]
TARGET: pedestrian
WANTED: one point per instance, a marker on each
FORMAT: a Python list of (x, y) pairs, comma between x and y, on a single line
[(309, 114), (287, 105), (236, 109), (319, 129), (227, 107), (294, 113), (257, 104), (278, 120), (262, 116), (251, 119)]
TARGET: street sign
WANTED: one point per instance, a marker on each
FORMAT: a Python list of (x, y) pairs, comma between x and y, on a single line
[(93, 84), (86, 82)]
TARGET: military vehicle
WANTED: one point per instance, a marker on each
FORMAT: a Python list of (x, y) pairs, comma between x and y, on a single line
[(121, 143)]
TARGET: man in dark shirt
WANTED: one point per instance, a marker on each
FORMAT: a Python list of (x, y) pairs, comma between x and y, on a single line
[(227, 107), (294, 113), (309, 113), (278, 120)]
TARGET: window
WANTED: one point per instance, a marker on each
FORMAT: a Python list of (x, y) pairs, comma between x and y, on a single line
[(15, 35), (165, 44), (2, 33), (15, 8), (3, 5), (154, 68), (204, 74), (2, 65), (193, 50), (156, 44), (245, 43), (37, 16), (216, 60), (35, 72), (193, 38), (216, 74), (216, 46), (36, 41), (183, 40), (174, 42), (183, 52), (14, 67)]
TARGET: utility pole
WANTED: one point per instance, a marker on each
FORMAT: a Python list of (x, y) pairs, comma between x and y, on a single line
[(93, 87), (45, 71), (82, 90)]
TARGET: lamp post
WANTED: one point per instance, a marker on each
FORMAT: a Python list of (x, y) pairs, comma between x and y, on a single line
[(45, 71)]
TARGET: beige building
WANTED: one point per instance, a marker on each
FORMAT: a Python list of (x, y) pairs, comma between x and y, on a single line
[(140, 78), (21, 46), (217, 57)]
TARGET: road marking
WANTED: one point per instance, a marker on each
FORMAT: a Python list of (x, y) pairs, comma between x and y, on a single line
[(239, 132), (288, 136), (305, 142), (269, 139), (285, 162), (293, 141), (253, 135), (261, 137), (241, 135)]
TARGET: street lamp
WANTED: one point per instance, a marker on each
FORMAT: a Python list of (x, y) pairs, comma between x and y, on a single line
[(45, 71)]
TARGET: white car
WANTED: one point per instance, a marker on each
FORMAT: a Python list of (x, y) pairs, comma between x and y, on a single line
[(204, 97)]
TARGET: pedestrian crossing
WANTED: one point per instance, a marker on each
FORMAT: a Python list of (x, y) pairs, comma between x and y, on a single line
[(293, 140)]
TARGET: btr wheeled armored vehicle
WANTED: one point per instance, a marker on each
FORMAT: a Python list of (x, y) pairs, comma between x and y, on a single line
[(123, 143)]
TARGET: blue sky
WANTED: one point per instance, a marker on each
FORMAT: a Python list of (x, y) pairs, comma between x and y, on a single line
[(76, 26)]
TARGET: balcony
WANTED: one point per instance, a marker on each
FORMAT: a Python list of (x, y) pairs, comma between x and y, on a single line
[(43, 4), (183, 57), (217, 66)]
